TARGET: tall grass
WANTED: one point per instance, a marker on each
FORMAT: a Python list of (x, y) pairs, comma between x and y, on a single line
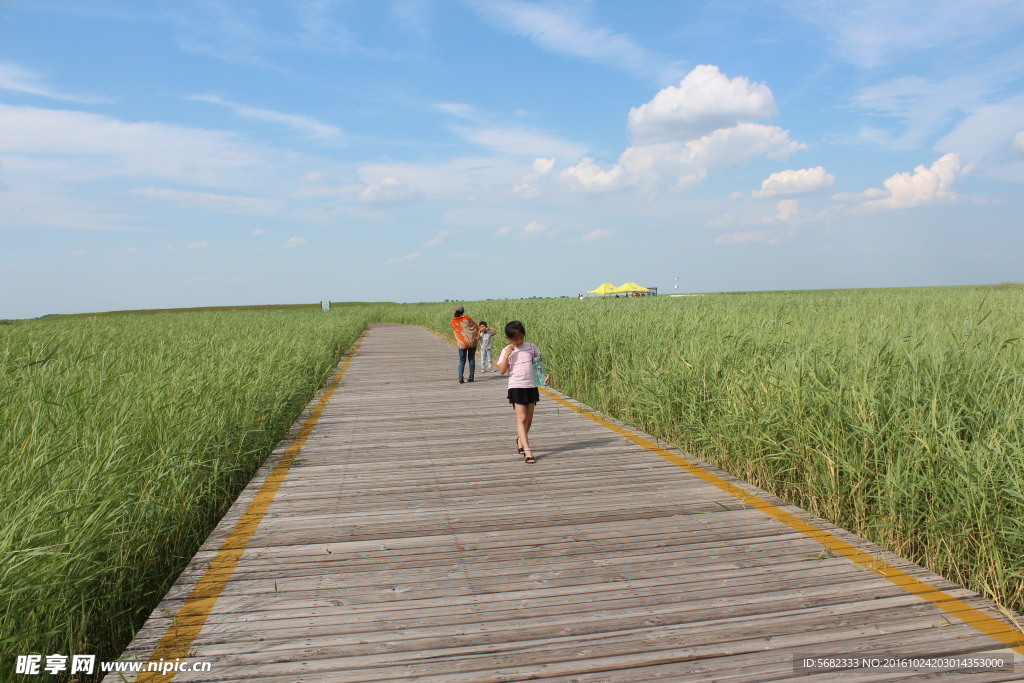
[(897, 414), (124, 440)]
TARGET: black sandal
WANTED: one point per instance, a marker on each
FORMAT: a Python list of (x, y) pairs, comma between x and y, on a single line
[(529, 459), (518, 447)]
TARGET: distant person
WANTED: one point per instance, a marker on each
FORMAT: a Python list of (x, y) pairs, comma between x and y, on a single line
[(517, 361), (465, 338), (486, 333)]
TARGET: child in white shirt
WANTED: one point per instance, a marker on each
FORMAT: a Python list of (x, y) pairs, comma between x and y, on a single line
[(485, 334)]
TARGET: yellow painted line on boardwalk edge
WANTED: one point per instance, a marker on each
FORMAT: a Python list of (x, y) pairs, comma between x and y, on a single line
[(189, 620), (985, 623)]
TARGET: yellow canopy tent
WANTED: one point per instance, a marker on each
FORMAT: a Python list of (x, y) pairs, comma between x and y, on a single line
[(606, 288), (629, 288)]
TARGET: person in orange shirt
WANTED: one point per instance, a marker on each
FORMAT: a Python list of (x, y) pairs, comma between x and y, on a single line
[(465, 338)]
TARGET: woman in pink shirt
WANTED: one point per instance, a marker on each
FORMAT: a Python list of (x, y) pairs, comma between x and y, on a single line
[(516, 361)]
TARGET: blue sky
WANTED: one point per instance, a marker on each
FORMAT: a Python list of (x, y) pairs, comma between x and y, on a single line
[(180, 153)]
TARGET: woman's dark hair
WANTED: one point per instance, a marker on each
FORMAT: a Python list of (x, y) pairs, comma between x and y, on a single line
[(513, 327)]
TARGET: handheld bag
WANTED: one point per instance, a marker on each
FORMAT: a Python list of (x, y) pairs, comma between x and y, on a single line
[(539, 373)]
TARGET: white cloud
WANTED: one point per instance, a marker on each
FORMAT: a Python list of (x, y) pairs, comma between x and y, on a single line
[(17, 79), (704, 101), (465, 180), (587, 175), (870, 193), (541, 169), (911, 111), (765, 229), (685, 132), (413, 16), (677, 166), (304, 124), (75, 145), (986, 131), (560, 29), (737, 146), (521, 142), (259, 231), (388, 192), (456, 179), (411, 256), (796, 182), (125, 251), (763, 235), (531, 229), (233, 34), (918, 108), (598, 234), (872, 32), (437, 239), (216, 202), (788, 210), (526, 189), (459, 109), (25, 205), (787, 214), (1018, 143), (197, 245), (294, 242), (932, 185)]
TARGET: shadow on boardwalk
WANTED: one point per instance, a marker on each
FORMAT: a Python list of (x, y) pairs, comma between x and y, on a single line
[(410, 542)]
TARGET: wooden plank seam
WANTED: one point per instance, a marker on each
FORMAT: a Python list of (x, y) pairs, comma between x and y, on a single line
[(189, 620), (985, 623)]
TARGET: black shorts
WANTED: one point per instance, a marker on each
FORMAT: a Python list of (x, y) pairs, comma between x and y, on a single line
[(523, 396)]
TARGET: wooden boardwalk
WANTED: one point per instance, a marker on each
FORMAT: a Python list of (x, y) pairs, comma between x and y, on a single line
[(406, 540)]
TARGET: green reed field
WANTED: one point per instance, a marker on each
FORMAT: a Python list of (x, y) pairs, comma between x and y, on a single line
[(897, 414), (124, 440)]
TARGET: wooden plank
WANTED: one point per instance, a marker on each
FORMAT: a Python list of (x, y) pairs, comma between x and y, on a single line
[(409, 542)]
